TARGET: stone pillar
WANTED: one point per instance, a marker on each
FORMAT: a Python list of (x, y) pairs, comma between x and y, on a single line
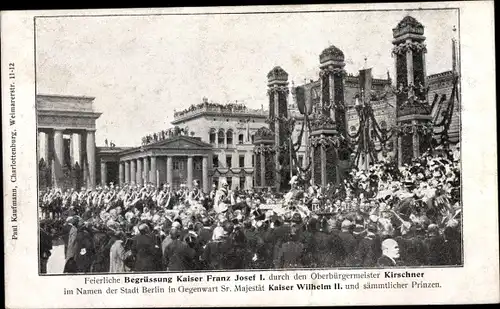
[(248, 182), (104, 173), (154, 171), (140, 175), (400, 151), (190, 172), (71, 151), (43, 142), (170, 167), (313, 181), (324, 167), (91, 158), (146, 169), (415, 140), (75, 145), (121, 173), (424, 69), (277, 137), (315, 108), (204, 171), (58, 156), (331, 89), (262, 168), (409, 65), (133, 171), (127, 171)]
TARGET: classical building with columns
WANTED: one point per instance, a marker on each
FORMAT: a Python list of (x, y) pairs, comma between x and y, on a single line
[(228, 132), (176, 160), (66, 141)]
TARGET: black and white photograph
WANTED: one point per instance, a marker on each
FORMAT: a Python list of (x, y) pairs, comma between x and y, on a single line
[(246, 155), (317, 140)]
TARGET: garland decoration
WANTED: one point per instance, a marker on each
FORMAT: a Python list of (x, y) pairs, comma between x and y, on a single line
[(412, 45)]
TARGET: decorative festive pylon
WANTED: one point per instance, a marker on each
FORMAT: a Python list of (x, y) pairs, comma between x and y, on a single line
[(413, 112), (329, 123), (277, 82)]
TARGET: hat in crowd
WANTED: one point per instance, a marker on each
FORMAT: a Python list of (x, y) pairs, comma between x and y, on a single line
[(358, 229), (227, 227), (259, 215), (143, 227), (433, 229), (296, 218), (346, 224)]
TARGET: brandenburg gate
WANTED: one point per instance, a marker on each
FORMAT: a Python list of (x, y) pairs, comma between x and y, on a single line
[(66, 141)]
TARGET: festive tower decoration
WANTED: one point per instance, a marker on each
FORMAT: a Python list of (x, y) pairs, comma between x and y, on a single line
[(277, 82), (413, 112), (264, 152), (328, 127)]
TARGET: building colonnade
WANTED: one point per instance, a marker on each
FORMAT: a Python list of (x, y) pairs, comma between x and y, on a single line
[(149, 169), (82, 150)]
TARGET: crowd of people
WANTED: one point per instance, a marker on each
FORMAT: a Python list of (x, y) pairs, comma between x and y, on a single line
[(231, 107), (381, 217), (165, 134)]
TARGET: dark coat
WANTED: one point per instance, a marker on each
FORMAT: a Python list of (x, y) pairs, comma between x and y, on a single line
[(144, 250), (205, 235), (328, 250), (278, 237), (368, 252), (412, 250), (85, 250), (179, 256), (385, 261), (291, 255), (434, 246), (350, 245), (213, 254), (45, 244), (103, 243)]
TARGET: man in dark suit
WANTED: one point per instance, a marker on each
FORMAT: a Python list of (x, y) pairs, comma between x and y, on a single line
[(390, 253), (143, 248), (349, 243), (45, 246), (327, 249), (292, 253), (434, 246), (368, 248), (179, 255)]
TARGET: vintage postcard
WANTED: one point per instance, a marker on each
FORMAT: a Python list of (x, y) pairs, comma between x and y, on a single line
[(251, 155)]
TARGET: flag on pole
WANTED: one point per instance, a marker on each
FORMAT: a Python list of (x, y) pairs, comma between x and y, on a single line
[(365, 83), (304, 99)]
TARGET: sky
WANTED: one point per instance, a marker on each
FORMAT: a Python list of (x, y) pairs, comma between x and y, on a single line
[(142, 68)]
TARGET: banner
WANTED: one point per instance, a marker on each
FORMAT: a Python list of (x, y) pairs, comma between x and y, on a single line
[(365, 83)]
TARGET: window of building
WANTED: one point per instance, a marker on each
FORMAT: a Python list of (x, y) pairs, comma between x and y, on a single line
[(213, 136), (215, 161), (221, 137), (229, 182), (301, 161), (229, 135), (240, 139), (253, 138), (242, 161), (176, 165), (253, 160), (228, 161), (242, 183), (352, 129)]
